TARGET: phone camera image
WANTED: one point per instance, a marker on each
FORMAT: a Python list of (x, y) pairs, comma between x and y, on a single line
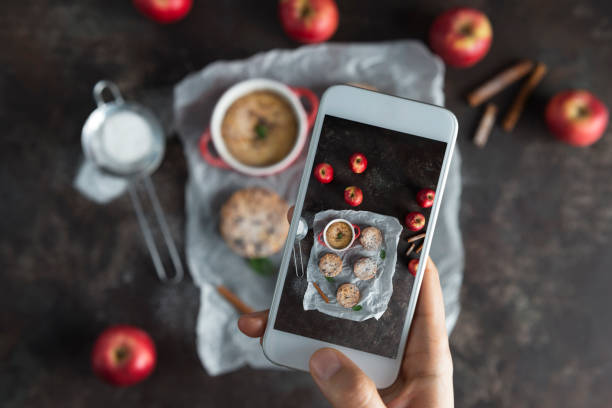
[(365, 217)]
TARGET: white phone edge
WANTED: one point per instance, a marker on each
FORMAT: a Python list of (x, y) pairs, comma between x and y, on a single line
[(386, 111)]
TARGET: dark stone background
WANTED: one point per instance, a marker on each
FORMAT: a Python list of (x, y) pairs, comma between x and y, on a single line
[(399, 165), (537, 217)]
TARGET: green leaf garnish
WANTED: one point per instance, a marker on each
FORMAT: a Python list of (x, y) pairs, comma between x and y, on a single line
[(261, 130), (383, 254), (329, 279), (262, 266), (339, 236), (357, 308)]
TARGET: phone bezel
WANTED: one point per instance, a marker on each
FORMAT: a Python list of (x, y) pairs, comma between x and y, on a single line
[(386, 111)]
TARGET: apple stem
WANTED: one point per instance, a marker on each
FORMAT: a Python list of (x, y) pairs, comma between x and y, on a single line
[(305, 12), (121, 354), (582, 111), (466, 30)]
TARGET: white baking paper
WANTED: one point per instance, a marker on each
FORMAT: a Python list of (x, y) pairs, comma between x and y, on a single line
[(403, 68), (374, 293)]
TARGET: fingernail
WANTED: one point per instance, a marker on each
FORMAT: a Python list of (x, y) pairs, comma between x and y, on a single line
[(324, 364)]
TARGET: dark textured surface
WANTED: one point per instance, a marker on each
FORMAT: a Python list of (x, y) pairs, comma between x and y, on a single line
[(537, 220), (399, 166)]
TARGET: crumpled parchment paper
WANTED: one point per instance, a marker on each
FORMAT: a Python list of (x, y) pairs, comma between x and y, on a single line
[(374, 293), (403, 68)]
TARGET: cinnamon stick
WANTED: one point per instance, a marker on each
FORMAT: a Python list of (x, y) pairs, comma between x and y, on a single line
[(323, 295), (409, 251), (234, 300), (486, 124), (419, 249), (499, 82), (416, 237), (521, 98)]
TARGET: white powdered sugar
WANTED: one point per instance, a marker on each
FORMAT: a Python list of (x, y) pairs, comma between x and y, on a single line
[(127, 137)]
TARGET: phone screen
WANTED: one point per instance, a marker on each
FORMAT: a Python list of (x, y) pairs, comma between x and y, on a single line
[(348, 281)]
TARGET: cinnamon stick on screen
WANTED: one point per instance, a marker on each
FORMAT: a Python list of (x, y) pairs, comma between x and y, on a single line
[(419, 249), (323, 295), (409, 251), (416, 237)]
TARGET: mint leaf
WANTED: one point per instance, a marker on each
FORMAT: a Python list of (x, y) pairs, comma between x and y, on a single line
[(357, 308), (329, 279), (261, 130), (383, 254), (262, 266)]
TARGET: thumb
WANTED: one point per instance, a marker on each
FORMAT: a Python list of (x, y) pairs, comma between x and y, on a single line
[(342, 382)]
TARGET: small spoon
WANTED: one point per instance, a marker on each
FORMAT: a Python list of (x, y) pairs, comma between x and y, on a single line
[(302, 230)]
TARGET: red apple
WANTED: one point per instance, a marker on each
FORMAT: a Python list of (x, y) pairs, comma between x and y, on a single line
[(353, 196), (413, 265), (324, 172), (577, 117), (425, 197), (164, 11), (461, 36), (123, 355), (415, 221), (309, 21), (358, 162)]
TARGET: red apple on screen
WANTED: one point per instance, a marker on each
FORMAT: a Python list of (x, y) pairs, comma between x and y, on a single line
[(577, 117), (415, 221), (164, 11), (353, 196), (324, 172), (425, 197), (413, 265), (358, 163), (123, 355), (309, 21), (461, 36)]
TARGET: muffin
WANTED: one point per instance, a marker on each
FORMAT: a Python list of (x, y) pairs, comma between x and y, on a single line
[(254, 222), (330, 265), (347, 295), (371, 238), (365, 268)]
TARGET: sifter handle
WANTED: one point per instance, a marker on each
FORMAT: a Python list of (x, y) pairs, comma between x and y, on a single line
[(148, 235), (98, 92)]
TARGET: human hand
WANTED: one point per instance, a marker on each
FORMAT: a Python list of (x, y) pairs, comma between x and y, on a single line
[(426, 374)]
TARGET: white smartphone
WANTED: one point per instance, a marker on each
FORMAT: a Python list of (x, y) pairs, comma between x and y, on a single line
[(362, 308)]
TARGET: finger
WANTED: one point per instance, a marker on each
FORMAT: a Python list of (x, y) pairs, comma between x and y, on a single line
[(342, 382), (253, 324), (430, 306), (427, 350), (290, 213)]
